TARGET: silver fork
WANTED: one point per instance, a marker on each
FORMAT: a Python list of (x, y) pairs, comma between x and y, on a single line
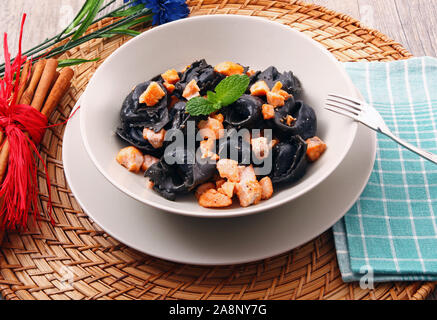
[(367, 115)]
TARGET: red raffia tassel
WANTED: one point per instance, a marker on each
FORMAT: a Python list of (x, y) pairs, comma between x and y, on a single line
[(19, 190)]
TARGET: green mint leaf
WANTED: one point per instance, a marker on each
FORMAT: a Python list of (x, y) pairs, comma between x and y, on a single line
[(231, 88), (212, 96), (200, 106)]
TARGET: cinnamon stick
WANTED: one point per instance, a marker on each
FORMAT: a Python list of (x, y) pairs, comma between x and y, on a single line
[(36, 76), (47, 77), (24, 79), (4, 157), (59, 89)]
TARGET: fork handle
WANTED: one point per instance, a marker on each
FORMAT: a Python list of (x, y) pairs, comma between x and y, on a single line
[(423, 153)]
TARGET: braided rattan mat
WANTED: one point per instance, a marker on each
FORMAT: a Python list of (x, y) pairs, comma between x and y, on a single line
[(31, 263)]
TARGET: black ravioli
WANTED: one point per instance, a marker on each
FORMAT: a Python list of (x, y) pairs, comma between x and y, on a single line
[(235, 147), (271, 75), (134, 136), (305, 124), (138, 114), (246, 112), (181, 176), (289, 160), (204, 74)]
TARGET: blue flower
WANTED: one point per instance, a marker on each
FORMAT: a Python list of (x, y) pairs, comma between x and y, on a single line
[(165, 10)]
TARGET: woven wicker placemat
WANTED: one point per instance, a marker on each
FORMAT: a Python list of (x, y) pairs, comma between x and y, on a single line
[(32, 264)]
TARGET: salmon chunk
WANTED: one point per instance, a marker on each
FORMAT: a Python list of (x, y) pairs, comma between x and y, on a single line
[(152, 95), (169, 87), (228, 68), (212, 128), (219, 183), (315, 148), (173, 101), (250, 72), (247, 174), (203, 188), (149, 183), (206, 147), (268, 111), (228, 169), (214, 199), (191, 90), (259, 88), (261, 147), (267, 188), (227, 188), (248, 192), (170, 76), (275, 99), (148, 161), (130, 158), (289, 120), (277, 88), (156, 139)]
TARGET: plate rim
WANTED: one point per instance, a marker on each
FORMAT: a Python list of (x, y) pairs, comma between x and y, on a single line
[(221, 213), (315, 232)]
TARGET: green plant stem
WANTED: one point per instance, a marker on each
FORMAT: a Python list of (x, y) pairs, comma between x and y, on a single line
[(93, 35), (59, 37)]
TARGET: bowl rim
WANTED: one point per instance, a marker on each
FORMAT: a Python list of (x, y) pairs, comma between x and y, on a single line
[(223, 213)]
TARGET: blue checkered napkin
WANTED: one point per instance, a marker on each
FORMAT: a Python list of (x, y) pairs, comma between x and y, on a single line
[(392, 228)]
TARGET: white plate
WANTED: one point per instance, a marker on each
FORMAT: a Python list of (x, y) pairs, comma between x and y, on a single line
[(218, 241), (216, 38)]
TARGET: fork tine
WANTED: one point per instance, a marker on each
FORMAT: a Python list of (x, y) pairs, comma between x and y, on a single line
[(340, 105), (343, 102), (349, 99), (342, 112)]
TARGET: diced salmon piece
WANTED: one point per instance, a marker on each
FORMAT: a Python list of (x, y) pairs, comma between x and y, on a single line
[(228, 68), (250, 72), (212, 128), (259, 88), (202, 188), (275, 99), (152, 95), (227, 188), (268, 111), (315, 148), (171, 76), (274, 142), (156, 139), (260, 147), (267, 188), (169, 87), (285, 94), (289, 120), (228, 169), (218, 117), (206, 147), (219, 183), (248, 192), (149, 183), (191, 90), (130, 158), (214, 199), (173, 101), (148, 161), (277, 88), (247, 174)]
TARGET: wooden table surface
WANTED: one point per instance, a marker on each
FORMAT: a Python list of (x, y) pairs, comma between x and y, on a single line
[(398, 19)]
